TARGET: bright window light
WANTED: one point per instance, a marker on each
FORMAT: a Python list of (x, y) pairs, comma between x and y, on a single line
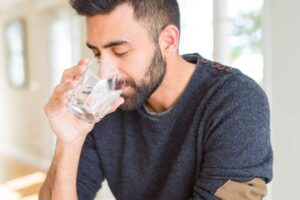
[(245, 39), (197, 27)]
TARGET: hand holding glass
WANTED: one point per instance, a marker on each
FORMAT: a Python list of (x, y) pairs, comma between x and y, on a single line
[(98, 90)]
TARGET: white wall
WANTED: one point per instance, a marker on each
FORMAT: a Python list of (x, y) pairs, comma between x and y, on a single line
[(22, 120), (24, 130), (282, 55)]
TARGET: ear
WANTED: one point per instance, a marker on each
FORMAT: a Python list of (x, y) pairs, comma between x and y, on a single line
[(169, 41)]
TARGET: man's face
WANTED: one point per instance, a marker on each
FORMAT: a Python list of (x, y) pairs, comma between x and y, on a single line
[(125, 44)]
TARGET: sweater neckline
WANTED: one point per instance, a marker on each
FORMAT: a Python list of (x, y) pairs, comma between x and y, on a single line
[(190, 89)]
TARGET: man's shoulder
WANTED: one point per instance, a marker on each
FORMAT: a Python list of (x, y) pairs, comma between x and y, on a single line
[(225, 78), (221, 87)]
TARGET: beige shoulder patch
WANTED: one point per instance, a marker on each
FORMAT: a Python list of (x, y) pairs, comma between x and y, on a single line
[(252, 190)]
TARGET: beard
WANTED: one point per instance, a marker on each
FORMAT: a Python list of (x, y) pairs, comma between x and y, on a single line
[(146, 86)]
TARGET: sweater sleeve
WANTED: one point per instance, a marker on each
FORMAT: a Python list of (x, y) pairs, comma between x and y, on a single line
[(90, 175), (237, 148)]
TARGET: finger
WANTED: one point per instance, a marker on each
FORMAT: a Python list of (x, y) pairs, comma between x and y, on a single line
[(57, 102), (74, 72), (54, 107), (81, 70), (69, 74), (63, 89), (82, 65), (83, 61), (117, 104)]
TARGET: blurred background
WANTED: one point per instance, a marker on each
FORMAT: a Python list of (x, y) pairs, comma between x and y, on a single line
[(40, 38)]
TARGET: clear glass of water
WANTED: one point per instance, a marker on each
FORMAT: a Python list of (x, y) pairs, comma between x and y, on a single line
[(98, 90)]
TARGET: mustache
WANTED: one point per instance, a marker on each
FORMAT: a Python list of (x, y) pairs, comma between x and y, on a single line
[(125, 82)]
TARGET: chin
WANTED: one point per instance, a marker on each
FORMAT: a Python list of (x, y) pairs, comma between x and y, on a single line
[(127, 107), (131, 104)]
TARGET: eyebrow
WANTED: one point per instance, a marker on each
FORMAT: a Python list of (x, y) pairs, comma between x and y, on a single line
[(108, 45)]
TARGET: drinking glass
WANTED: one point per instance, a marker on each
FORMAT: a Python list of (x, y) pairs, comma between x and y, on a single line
[(97, 91)]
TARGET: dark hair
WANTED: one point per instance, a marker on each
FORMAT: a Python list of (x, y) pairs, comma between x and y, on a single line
[(156, 14)]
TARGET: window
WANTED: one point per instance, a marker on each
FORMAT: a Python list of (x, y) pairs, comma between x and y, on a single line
[(228, 31), (197, 27), (245, 39), (64, 44)]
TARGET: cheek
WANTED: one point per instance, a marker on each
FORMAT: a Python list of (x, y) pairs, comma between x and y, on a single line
[(135, 67)]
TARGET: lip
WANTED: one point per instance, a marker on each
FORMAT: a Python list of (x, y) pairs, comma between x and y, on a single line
[(123, 88)]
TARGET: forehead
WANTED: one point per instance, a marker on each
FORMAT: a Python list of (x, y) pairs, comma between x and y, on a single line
[(120, 24)]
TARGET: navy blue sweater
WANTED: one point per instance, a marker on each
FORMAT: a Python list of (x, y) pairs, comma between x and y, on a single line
[(218, 130)]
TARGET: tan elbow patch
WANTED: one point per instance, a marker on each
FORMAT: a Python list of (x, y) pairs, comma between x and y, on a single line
[(252, 190)]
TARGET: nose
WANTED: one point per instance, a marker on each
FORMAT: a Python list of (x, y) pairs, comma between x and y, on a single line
[(106, 69)]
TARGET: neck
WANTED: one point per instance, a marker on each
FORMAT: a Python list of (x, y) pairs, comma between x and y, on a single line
[(177, 77)]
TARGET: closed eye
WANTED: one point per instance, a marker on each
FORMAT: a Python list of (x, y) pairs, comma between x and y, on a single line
[(121, 53)]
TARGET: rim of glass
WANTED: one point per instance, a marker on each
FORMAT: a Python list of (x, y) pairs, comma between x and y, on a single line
[(92, 60), (115, 75)]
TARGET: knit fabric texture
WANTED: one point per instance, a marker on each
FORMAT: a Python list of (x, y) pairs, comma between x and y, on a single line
[(219, 129)]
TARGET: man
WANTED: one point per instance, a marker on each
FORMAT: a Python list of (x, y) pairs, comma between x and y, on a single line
[(184, 128)]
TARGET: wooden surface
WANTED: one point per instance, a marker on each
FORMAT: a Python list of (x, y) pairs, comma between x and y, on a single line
[(15, 172), (19, 180)]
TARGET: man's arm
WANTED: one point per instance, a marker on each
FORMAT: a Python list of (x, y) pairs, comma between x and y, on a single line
[(237, 159), (61, 179), (71, 133)]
